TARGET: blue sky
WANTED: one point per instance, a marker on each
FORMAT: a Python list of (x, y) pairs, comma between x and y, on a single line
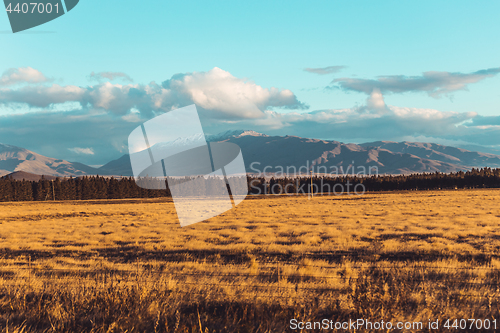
[(421, 71)]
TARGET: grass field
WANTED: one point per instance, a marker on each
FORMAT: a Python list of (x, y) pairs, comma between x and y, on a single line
[(127, 265)]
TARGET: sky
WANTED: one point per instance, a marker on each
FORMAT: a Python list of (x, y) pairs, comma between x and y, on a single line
[(358, 71)]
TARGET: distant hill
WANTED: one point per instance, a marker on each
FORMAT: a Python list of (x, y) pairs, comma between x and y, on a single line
[(13, 159), (118, 167), (436, 152)]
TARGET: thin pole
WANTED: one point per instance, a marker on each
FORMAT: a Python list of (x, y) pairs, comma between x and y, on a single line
[(311, 173), (53, 192), (309, 193)]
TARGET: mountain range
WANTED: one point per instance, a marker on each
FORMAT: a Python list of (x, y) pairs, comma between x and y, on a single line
[(279, 152)]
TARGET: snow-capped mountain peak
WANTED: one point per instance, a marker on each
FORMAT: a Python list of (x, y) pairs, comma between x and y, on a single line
[(232, 134)]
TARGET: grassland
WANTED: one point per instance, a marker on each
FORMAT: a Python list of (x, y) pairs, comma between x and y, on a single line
[(127, 265)]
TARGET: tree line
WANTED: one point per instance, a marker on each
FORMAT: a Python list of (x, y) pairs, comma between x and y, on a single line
[(96, 187), (475, 178)]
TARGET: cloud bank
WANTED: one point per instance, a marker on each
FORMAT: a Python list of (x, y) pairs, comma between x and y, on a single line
[(97, 130), (217, 92)]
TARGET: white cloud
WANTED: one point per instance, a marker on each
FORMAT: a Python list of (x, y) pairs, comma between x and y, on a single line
[(325, 70), (101, 76), (15, 76), (42, 96), (20, 108), (218, 90), (433, 83), (371, 122), (83, 151), (376, 100)]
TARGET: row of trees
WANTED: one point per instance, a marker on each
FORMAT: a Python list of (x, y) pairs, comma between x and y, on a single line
[(475, 178), (95, 187), (82, 188)]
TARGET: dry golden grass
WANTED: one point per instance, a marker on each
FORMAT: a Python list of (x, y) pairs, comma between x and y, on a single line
[(127, 265)]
